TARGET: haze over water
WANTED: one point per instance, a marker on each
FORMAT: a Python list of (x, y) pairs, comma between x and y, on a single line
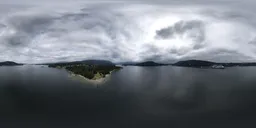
[(134, 96)]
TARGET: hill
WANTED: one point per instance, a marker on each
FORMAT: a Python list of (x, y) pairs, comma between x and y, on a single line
[(9, 63), (194, 63)]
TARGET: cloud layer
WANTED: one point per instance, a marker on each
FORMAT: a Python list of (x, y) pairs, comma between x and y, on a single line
[(132, 32)]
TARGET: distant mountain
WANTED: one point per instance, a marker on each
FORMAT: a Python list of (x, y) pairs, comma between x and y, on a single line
[(88, 62), (96, 62), (9, 63), (147, 63), (201, 63), (126, 63), (194, 63)]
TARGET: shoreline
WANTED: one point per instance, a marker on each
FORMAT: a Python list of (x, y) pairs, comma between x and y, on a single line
[(91, 81)]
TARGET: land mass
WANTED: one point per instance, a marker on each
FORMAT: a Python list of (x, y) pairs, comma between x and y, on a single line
[(209, 64), (91, 69), (147, 63), (9, 63)]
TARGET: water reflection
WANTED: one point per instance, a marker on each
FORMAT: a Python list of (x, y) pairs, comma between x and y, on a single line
[(168, 93)]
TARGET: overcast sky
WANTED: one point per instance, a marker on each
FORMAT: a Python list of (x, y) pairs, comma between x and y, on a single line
[(163, 30)]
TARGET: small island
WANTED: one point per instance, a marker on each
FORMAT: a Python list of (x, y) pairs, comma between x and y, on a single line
[(91, 72)]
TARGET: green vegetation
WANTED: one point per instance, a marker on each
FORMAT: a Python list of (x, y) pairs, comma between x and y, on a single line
[(93, 72), (97, 76)]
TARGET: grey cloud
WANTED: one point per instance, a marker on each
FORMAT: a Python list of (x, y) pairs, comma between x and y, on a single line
[(30, 24), (26, 27), (193, 29), (182, 27), (111, 32), (2, 26), (17, 40)]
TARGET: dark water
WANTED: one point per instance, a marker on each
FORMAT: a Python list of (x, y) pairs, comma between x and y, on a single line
[(35, 96)]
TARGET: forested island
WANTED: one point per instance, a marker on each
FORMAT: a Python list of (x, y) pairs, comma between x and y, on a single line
[(87, 69)]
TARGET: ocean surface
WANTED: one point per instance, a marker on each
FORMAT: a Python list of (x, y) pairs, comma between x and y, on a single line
[(38, 96)]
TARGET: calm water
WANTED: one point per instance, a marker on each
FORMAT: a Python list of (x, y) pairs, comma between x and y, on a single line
[(133, 97)]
